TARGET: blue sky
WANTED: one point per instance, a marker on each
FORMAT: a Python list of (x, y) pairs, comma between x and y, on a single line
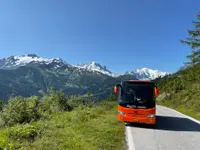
[(123, 35)]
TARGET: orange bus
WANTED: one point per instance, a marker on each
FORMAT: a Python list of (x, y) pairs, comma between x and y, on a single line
[(137, 101)]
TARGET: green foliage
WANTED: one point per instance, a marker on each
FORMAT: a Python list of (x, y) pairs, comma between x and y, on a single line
[(89, 93), (58, 122), (75, 101), (25, 132), (180, 80), (183, 88), (1, 105), (184, 85), (20, 110), (15, 137), (112, 97), (194, 42), (174, 85), (85, 127), (54, 101)]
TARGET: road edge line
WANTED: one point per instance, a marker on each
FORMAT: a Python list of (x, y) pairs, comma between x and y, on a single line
[(193, 119), (129, 139)]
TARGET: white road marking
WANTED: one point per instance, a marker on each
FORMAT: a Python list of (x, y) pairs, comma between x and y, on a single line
[(173, 131), (197, 121), (129, 138)]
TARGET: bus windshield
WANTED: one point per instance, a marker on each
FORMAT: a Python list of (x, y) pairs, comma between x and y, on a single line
[(138, 95)]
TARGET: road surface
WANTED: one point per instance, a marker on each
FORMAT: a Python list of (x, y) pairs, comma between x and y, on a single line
[(173, 131)]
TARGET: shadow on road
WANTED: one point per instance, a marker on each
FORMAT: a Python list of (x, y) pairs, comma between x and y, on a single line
[(171, 123)]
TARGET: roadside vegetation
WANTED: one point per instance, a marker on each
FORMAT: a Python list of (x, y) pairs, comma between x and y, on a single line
[(181, 91), (56, 121)]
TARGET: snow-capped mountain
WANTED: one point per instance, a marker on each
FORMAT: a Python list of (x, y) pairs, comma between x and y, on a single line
[(147, 74), (14, 62), (141, 74), (96, 67), (40, 74)]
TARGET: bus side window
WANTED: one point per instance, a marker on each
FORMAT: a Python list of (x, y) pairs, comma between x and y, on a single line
[(119, 94)]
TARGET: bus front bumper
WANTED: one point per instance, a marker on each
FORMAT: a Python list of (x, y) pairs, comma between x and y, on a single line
[(143, 120)]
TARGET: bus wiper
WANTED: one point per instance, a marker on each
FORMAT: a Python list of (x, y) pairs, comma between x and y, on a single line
[(135, 99)]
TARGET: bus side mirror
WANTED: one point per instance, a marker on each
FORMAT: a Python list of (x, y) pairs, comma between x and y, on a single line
[(156, 91), (115, 90)]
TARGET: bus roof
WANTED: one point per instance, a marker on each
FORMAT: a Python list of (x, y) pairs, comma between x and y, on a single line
[(137, 81)]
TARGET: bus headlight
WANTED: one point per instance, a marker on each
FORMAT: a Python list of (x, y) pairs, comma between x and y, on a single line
[(121, 113), (151, 115)]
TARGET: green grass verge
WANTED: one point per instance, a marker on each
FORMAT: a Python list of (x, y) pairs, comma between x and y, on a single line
[(181, 108), (183, 88), (82, 129)]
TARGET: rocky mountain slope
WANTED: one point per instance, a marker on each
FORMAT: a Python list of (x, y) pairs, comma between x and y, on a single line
[(30, 74)]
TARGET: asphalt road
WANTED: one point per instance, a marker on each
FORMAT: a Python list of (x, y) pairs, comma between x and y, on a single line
[(173, 131)]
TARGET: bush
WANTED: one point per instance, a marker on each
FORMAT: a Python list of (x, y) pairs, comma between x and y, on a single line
[(112, 97), (26, 132), (54, 101), (174, 85), (14, 138), (20, 110), (82, 128), (75, 101), (183, 87)]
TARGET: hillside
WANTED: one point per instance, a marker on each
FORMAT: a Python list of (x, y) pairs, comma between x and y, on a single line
[(30, 74), (181, 91)]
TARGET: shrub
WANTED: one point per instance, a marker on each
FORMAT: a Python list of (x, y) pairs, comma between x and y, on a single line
[(20, 110), (174, 85), (75, 101), (112, 97), (54, 101), (25, 132), (14, 138)]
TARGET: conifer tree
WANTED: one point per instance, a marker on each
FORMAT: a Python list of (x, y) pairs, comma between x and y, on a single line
[(194, 42)]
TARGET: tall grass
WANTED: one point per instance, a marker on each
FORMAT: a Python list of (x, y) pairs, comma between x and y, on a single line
[(91, 126)]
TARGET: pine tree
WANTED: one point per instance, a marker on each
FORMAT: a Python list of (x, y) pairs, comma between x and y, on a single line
[(1, 105), (112, 97), (194, 42), (89, 93)]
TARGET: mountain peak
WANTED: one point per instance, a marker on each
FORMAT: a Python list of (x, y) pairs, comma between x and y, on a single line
[(13, 62), (94, 66), (31, 55), (93, 62), (146, 73)]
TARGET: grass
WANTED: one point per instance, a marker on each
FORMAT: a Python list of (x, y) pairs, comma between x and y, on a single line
[(185, 101), (84, 128), (181, 108), (183, 88)]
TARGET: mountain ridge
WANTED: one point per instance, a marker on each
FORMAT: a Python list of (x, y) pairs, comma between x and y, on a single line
[(29, 75), (14, 62)]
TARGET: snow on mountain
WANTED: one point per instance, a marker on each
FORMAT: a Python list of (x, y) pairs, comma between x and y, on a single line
[(147, 74), (55, 63), (13, 62), (96, 67), (141, 74)]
